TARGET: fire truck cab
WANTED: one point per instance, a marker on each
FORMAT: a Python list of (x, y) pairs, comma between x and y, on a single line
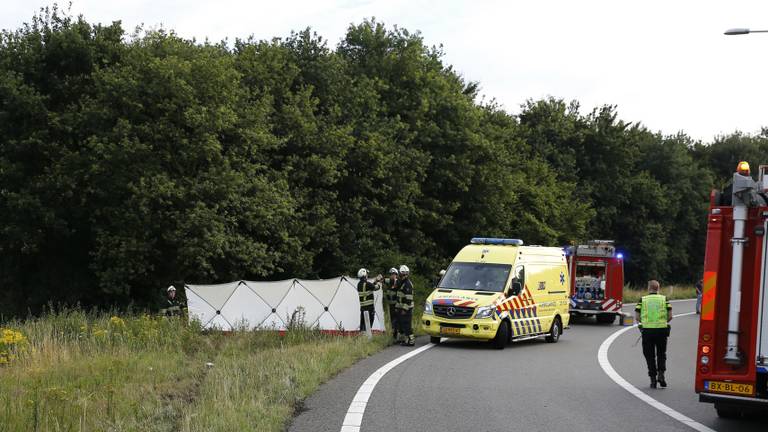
[(732, 351), (597, 280)]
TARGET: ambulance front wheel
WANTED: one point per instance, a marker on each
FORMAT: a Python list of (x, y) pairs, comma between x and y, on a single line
[(555, 331), (502, 336), (435, 340)]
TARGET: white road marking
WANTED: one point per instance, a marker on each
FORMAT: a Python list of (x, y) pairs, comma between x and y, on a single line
[(602, 358), (354, 417)]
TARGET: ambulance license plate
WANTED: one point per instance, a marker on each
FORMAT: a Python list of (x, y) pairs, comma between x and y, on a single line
[(729, 387), (450, 330)]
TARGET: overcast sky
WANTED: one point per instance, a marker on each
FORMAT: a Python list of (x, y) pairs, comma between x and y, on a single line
[(666, 64)]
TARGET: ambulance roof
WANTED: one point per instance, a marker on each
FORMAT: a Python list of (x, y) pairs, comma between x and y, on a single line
[(503, 254)]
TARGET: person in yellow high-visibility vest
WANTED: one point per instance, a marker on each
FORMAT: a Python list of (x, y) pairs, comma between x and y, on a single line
[(653, 314)]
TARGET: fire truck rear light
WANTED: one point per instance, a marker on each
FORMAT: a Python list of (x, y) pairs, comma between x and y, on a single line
[(704, 369), (705, 360), (716, 211), (705, 349), (706, 337)]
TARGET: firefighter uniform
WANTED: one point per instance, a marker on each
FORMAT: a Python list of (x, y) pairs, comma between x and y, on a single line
[(365, 291), (653, 310), (404, 309), (172, 306), (391, 297)]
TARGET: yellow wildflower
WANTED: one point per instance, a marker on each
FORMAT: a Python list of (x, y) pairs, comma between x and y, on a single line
[(12, 337)]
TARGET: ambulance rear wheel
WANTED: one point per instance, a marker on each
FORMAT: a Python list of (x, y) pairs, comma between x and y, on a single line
[(606, 318), (502, 336), (555, 331), (727, 412), (435, 340)]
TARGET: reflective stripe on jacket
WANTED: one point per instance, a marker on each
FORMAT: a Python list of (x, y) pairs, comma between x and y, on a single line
[(405, 296), (390, 292), (365, 293)]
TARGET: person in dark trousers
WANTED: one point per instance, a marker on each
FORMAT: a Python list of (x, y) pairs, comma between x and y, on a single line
[(653, 314), (390, 295), (405, 307), (365, 291)]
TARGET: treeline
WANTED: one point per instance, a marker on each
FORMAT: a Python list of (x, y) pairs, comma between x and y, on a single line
[(131, 161)]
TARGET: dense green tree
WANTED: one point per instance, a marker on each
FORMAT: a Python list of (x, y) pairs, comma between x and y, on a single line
[(128, 162), (140, 169), (722, 156)]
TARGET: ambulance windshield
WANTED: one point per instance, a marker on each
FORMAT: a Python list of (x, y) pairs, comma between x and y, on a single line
[(476, 277)]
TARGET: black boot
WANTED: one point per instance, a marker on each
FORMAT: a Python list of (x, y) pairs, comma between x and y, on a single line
[(653, 382), (661, 380)]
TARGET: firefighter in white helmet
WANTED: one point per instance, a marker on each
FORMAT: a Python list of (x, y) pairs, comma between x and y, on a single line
[(405, 307), (390, 295), (172, 303), (365, 291)]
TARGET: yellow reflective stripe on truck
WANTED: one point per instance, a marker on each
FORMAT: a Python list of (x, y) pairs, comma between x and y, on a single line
[(708, 296)]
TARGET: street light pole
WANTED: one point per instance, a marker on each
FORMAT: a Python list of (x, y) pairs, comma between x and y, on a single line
[(741, 31)]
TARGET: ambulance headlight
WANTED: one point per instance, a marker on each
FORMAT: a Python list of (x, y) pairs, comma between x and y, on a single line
[(484, 312), (427, 307)]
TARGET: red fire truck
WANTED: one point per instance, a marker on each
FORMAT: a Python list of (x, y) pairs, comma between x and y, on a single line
[(597, 280), (732, 356)]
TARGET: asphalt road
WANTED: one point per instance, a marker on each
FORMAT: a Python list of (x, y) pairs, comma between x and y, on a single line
[(530, 386)]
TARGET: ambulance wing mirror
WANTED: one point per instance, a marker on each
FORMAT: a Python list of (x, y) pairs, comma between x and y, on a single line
[(517, 287)]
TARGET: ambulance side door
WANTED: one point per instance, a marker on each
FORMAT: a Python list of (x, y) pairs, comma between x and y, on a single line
[(545, 305)]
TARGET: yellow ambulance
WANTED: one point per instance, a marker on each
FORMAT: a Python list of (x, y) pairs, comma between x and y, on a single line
[(501, 291)]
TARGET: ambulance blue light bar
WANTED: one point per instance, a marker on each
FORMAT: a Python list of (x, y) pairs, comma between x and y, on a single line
[(496, 241)]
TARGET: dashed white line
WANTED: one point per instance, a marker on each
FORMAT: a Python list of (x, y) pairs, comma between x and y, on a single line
[(602, 358), (354, 417)]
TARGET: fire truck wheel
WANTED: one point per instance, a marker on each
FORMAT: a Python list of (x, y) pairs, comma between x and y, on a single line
[(606, 318), (435, 340), (727, 412), (555, 331), (502, 336)]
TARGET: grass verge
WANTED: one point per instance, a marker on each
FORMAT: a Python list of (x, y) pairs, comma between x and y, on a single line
[(673, 292), (77, 371)]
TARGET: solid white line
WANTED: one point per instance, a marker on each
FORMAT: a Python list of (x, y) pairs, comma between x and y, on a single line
[(354, 417), (602, 358)]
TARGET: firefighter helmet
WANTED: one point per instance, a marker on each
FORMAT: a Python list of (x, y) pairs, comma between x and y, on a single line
[(362, 273), (393, 271), (404, 269)]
